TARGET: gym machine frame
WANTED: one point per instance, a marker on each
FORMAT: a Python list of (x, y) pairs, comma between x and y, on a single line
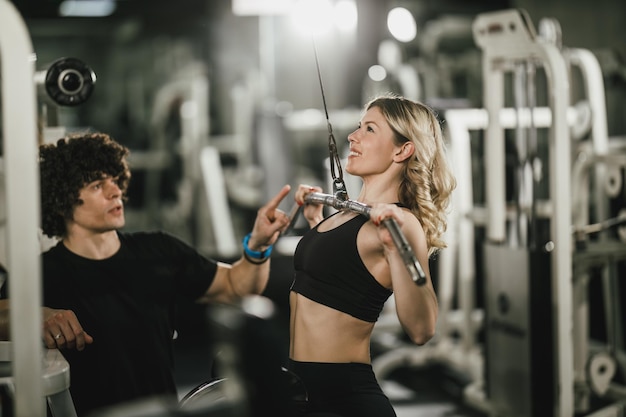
[(34, 375), (464, 322), (507, 38), (19, 120)]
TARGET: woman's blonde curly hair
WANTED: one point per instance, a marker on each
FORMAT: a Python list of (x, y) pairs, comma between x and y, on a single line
[(427, 182)]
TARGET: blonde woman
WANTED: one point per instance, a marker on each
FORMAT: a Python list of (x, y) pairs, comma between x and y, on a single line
[(347, 265)]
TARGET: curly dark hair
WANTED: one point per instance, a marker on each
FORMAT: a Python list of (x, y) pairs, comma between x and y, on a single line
[(70, 164)]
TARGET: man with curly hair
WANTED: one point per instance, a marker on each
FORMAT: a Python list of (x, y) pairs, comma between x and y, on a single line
[(109, 296)]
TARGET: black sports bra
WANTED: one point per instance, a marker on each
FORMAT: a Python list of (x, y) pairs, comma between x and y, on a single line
[(329, 270)]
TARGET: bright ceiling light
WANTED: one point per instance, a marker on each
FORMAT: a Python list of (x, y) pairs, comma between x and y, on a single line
[(377, 73), (87, 8), (260, 7), (345, 15), (401, 24), (312, 17)]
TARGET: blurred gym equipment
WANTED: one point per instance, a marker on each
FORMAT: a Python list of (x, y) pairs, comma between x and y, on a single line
[(247, 378), (536, 288)]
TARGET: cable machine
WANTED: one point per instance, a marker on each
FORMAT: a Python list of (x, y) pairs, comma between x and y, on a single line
[(538, 255), (596, 177), (528, 258)]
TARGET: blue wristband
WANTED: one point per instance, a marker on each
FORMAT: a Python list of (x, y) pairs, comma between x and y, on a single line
[(253, 253)]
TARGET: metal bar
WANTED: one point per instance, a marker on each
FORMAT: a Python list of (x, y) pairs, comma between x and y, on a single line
[(409, 258), (19, 119), (460, 230), (294, 213), (215, 190)]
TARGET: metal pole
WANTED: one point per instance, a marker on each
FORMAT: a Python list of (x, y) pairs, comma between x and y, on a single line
[(19, 120)]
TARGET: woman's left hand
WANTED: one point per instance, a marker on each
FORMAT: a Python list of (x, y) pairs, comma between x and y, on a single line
[(378, 214)]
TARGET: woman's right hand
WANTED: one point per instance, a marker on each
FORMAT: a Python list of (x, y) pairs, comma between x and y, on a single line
[(313, 212)]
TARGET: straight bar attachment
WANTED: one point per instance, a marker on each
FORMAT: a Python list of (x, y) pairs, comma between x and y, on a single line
[(410, 260)]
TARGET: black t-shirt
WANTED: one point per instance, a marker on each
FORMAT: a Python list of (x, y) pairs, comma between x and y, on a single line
[(126, 303)]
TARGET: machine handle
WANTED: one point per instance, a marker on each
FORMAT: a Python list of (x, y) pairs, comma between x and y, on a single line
[(409, 258)]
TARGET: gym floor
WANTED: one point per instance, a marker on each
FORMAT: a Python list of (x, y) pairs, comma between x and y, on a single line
[(426, 393)]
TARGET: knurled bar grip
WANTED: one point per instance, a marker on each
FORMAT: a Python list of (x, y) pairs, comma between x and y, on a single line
[(409, 258)]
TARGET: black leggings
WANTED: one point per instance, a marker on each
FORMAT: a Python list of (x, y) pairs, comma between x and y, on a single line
[(344, 389)]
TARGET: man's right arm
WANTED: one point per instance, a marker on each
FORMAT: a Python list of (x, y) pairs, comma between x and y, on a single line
[(61, 329)]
